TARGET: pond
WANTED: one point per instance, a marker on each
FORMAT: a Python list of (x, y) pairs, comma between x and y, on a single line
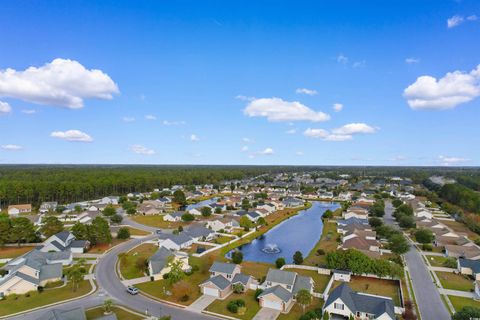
[(298, 233)]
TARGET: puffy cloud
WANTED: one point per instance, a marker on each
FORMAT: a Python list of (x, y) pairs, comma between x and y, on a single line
[(266, 152), (173, 123), (29, 111), (128, 119), (150, 117), (454, 21), (354, 128), (244, 98), (194, 137), (4, 108), (472, 18), (343, 133), (276, 109), (306, 91), (72, 135), (447, 160), (11, 147), (445, 93), (247, 140), (342, 59), (337, 107), (62, 82), (412, 60), (139, 149)]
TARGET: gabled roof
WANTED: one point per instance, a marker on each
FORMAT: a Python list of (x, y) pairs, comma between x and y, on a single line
[(160, 259), (279, 292), (471, 264), (198, 231), (281, 276), (223, 267), (63, 235), (219, 281), (241, 278), (302, 282), (178, 239)]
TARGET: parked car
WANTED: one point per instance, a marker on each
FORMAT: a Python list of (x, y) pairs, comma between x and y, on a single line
[(132, 290), (158, 231)]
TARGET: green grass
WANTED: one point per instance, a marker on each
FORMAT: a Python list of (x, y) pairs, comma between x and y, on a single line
[(460, 302), (156, 221), (380, 287), (223, 239), (13, 252), (37, 299), (455, 281), (252, 305), (128, 262), (119, 312), (137, 232), (297, 310), (320, 280), (328, 242), (256, 269), (436, 261)]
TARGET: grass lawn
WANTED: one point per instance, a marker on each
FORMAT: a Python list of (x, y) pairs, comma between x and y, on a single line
[(128, 267), (460, 302), (297, 310), (455, 281), (320, 280), (220, 306), (256, 269), (223, 239), (380, 287), (436, 261), (137, 232), (193, 248), (36, 299), (328, 242), (102, 247), (119, 312), (13, 252), (157, 221)]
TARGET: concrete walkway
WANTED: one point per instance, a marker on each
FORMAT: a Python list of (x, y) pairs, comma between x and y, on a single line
[(457, 293), (266, 314), (201, 303), (442, 269), (135, 281)]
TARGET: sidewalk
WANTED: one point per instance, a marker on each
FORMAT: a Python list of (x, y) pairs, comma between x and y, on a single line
[(135, 281)]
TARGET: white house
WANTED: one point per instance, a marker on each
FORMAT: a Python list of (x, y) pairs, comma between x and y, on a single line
[(19, 208), (175, 241), (158, 264)]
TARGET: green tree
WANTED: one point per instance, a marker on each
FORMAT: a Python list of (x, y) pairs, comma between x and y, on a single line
[(5, 226), (397, 203), (326, 316), (116, 218), (22, 230), (406, 222), (179, 197), (107, 306), (398, 244), (375, 222), (206, 211), (467, 313), (245, 204), (109, 211), (237, 256), (188, 217), (123, 233), (50, 226), (280, 262), (75, 276), (99, 231), (304, 298), (328, 214), (80, 231), (238, 288), (424, 236), (245, 223), (176, 273), (298, 257)]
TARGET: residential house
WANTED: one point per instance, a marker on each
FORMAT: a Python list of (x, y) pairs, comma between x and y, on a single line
[(344, 302), (173, 217), (48, 206), (77, 313), (19, 208), (223, 276), (64, 241), (280, 288), (225, 224), (200, 233), (112, 200), (467, 252), (158, 263), (469, 267), (291, 202)]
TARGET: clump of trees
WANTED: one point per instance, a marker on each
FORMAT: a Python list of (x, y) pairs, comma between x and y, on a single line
[(97, 232), (467, 313), (378, 208), (298, 257), (123, 233), (50, 226), (424, 236), (17, 230), (396, 240), (404, 216)]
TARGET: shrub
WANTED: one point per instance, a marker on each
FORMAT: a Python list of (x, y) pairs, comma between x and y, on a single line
[(321, 252), (427, 247), (238, 288), (188, 217), (257, 293), (450, 263), (234, 305), (297, 257), (280, 262), (116, 218), (237, 257), (123, 233)]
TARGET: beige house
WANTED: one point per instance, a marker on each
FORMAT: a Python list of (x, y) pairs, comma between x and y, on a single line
[(223, 276), (19, 208)]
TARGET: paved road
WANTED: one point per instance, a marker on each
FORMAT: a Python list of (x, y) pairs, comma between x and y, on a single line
[(110, 286), (428, 298)]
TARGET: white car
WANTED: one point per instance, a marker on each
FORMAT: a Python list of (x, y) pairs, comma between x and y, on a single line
[(132, 290)]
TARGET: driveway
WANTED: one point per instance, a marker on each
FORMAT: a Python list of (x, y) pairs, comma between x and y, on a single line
[(427, 295), (266, 314), (201, 303)]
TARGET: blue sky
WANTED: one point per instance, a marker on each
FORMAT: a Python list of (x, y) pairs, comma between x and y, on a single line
[(240, 82)]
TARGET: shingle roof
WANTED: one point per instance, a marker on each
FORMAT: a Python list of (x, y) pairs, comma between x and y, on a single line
[(241, 278), (471, 264), (160, 259), (63, 235), (219, 281), (72, 314), (278, 291), (302, 282), (281, 276), (223, 267)]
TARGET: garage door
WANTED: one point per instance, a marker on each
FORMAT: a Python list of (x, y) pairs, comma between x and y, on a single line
[(210, 292), (272, 304)]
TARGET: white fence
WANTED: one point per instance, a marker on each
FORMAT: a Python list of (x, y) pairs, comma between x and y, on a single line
[(324, 271), (222, 245)]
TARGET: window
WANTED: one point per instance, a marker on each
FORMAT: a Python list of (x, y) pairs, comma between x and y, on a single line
[(289, 287), (229, 276), (338, 306)]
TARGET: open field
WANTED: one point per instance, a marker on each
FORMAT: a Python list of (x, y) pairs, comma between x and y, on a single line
[(137, 232), (252, 305), (13, 252), (380, 287), (128, 261), (36, 299), (455, 281), (119, 312), (157, 221), (328, 242)]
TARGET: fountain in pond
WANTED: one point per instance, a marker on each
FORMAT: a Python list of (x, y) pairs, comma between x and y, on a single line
[(271, 248)]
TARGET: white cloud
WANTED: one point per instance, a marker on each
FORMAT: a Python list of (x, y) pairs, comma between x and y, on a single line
[(72, 135), (4, 108), (62, 82), (247, 140), (194, 137), (244, 98), (291, 131), (454, 21), (447, 160), (11, 147), (139, 149), (342, 59), (266, 151), (398, 158), (337, 107), (276, 109), (354, 128), (173, 123), (445, 93), (358, 64), (306, 91), (150, 117), (339, 137), (29, 111), (244, 149), (128, 119), (316, 133), (472, 18), (412, 60)]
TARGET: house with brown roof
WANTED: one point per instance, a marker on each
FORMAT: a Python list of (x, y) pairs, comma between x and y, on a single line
[(19, 208), (467, 252)]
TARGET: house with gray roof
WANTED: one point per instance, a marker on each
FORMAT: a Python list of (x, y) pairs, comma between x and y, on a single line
[(345, 302), (64, 241), (158, 263), (200, 233), (175, 241), (71, 314), (469, 267), (280, 288), (223, 276)]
